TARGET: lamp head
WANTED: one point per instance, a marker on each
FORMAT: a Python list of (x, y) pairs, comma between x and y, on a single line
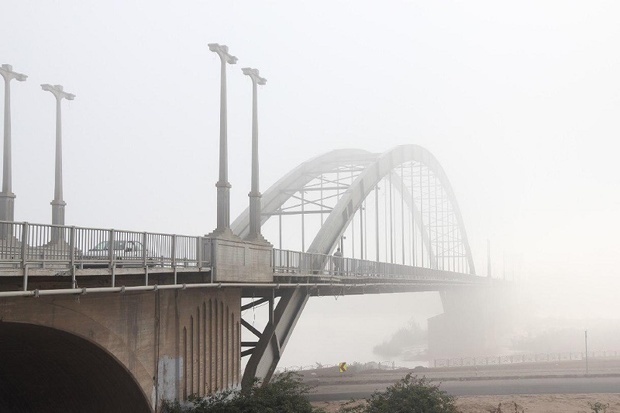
[(222, 51), (253, 73), (7, 72), (58, 91)]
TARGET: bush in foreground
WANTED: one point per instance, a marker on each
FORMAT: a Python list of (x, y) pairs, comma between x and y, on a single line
[(286, 393), (598, 407), (411, 395)]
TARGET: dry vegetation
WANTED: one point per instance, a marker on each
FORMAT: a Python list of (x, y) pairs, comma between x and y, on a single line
[(549, 403)]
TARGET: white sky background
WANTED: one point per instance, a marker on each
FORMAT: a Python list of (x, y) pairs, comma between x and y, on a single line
[(519, 101)]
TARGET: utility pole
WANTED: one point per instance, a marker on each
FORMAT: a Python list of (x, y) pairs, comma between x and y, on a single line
[(489, 258), (377, 222), (587, 353)]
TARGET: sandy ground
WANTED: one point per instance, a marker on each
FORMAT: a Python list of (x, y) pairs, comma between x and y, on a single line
[(547, 403)]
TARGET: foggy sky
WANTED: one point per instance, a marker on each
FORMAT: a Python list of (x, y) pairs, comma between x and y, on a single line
[(519, 101)]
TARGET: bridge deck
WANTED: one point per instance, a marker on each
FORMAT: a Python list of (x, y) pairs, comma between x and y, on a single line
[(78, 260)]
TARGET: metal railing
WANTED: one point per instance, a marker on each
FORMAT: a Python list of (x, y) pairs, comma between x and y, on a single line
[(308, 264), (522, 358), (25, 245), (56, 247)]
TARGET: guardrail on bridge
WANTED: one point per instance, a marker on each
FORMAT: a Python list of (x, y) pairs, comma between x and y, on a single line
[(50, 246), (26, 246), (287, 262)]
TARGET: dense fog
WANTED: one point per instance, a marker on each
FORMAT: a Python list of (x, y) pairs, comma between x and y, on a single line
[(518, 102)]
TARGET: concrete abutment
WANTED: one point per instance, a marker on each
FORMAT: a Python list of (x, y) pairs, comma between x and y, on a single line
[(118, 352)]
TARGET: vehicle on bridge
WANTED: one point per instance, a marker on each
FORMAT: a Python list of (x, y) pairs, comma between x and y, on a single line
[(130, 253)]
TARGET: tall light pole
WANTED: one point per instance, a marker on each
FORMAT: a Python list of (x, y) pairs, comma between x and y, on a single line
[(223, 186), (58, 204), (7, 197), (254, 234)]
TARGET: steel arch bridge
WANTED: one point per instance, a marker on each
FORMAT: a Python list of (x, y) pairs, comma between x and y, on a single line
[(396, 207)]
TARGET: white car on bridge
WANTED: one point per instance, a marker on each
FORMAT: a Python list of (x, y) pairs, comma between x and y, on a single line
[(123, 252)]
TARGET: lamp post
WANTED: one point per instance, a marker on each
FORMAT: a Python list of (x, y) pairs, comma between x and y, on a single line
[(7, 197), (254, 234), (58, 205), (223, 186)]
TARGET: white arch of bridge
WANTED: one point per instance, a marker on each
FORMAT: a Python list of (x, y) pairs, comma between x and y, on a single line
[(272, 341), (376, 168)]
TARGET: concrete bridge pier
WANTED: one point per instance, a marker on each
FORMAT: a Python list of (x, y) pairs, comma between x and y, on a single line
[(473, 323)]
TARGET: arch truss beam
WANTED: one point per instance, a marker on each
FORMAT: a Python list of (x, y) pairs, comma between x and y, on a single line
[(336, 186)]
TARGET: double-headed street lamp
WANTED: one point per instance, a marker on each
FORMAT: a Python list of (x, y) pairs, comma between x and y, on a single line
[(223, 186), (255, 219), (7, 197), (58, 204)]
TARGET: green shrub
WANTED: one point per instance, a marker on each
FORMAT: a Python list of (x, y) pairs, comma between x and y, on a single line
[(598, 407), (286, 393), (411, 395)]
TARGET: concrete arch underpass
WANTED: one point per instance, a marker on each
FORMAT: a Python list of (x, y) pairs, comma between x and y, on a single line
[(47, 370)]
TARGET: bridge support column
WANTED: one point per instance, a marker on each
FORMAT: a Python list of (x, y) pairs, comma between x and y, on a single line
[(473, 323)]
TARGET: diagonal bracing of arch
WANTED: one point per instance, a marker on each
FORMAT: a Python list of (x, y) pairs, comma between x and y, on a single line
[(264, 356)]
